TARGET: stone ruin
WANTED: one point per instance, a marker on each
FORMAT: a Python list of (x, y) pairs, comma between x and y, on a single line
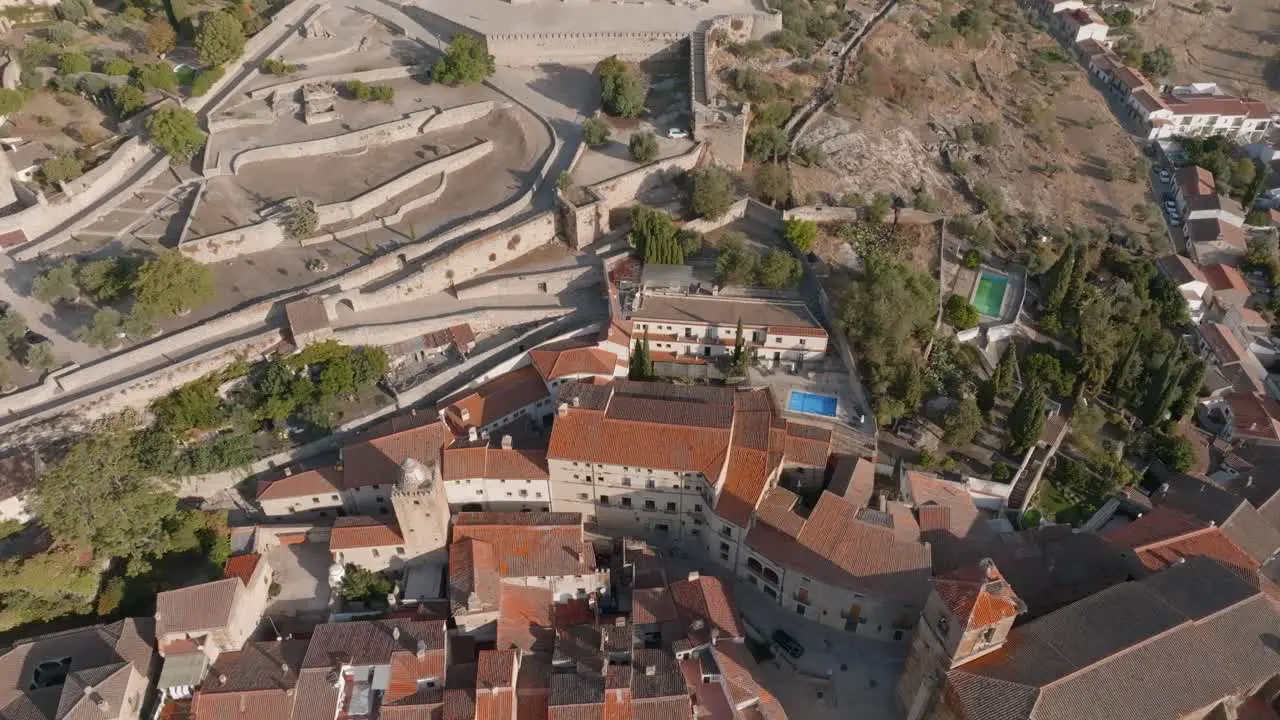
[(319, 103)]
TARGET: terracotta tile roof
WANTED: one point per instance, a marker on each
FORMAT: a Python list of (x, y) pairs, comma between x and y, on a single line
[(495, 704), (745, 481), (524, 618), (1206, 542), (408, 669), (572, 357), (1230, 105), (807, 444), (1254, 415), (242, 566), (371, 642), (376, 460), (738, 670), (1222, 343), (532, 705), (977, 597), (362, 531), (1180, 269), (13, 238), (315, 697), (269, 665), (1162, 523), (796, 330), (1148, 100), (473, 571), (322, 481), (306, 316), (496, 669), (934, 517), (652, 606), (705, 599), (531, 544), (1213, 230), (1193, 181), (255, 705), (494, 463), (854, 479), (838, 548), (926, 489), (494, 399), (1130, 78), (777, 510), (196, 608), (1224, 278)]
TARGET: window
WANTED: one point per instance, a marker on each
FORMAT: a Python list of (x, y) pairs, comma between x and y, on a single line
[(988, 636), (671, 507), (537, 495), (399, 551), (801, 341), (724, 547), (897, 634), (650, 484), (373, 487), (799, 609), (524, 493), (583, 496), (333, 497), (697, 507), (695, 532), (626, 502), (604, 499), (375, 552), (650, 505), (626, 482), (480, 492)]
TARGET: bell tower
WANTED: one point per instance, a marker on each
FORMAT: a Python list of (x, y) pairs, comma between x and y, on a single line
[(422, 511), (968, 614)]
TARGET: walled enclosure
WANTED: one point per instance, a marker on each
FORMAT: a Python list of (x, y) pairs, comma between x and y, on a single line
[(520, 49)]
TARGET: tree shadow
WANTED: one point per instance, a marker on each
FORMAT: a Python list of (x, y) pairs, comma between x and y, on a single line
[(573, 87)]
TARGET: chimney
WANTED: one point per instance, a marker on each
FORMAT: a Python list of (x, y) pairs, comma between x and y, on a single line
[(506, 442), (102, 703), (620, 621), (693, 575), (222, 678), (650, 670), (577, 401), (562, 409), (466, 415), (715, 635), (395, 633), (884, 503), (284, 667), (484, 435), (422, 649), (472, 435), (288, 471)]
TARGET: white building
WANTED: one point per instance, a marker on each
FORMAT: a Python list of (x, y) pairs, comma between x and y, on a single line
[(482, 478), (707, 327)]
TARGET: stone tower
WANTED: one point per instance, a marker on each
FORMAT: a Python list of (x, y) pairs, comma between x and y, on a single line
[(422, 510), (968, 614)]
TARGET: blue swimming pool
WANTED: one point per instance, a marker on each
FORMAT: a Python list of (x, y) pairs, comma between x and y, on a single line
[(799, 401)]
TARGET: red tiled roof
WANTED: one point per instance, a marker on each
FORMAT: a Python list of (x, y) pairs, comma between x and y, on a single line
[(1222, 343), (1224, 277), (249, 705), (473, 570), (242, 566), (1206, 542), (1148, 100), (495, 399), (1130, 78), (1194, 181), (572, 357), (1214, 230), (524, 618), (1230, 105), (362, 531), (532, 705), (549, 547), (376, 460), (407, 669), (13, 238), (777, 509), (494, 463), (1180, 269), (961, 513), (976, 596), (745, 481), (651, 606), (1160, 524), (496, 669), (796, 331), (1254, 415), (705, 598), (321, 481), (203, 607)]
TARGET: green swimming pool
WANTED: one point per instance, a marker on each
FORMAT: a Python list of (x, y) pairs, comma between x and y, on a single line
[(989, 297)]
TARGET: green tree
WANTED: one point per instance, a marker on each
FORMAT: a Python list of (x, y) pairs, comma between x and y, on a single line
[(972, 259), (1046, 370), (12, 326), (107, 279), (128, 98), (596, 132), (735, 265), (95, 495), (1157, 62), (1005, 373), (961, 315), (57, 284), (773, 183), (300, 219), (73, 63), (172, 284), (60, 169), (1058, 281), (714, 190), (161, 39), (175, 130), (11, 101), (194, 406), (204, 80), (1162, 390), (641, 364), (622, 92), (800, 234), (779, 270), (156, 76), (45, 586), (643, 147), (738, 358), (767, 144), (220, 38), (466, 62), (654, 234), (1175, 451), (364, 585), (1026, 419), (102, 329), (962, 422), (878, 208)]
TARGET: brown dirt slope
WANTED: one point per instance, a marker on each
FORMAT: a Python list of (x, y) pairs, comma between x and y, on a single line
[(1239, 49), (1058, 144)]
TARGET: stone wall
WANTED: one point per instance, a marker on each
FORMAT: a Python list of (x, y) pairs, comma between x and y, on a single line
[(268, 234), (481, 321), (466, 261), (367, 76), (549, 281), (407, 128), (521, 49)]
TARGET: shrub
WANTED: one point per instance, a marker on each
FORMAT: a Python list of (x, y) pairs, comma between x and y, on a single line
[(176, 131), (73, 63), (277, 66), (11, 101), (128, 98), (596, 132), (300, 220), (990, 197), (61, 169), (987, 134), (972, 259), (713, 192), (156, 76), (643, 147), (622, 91), (960, 314), (356, 90), (161, 38), (205, 80), (800, 234), (220, 38), (111, 596), (116, 67), (466, 62)]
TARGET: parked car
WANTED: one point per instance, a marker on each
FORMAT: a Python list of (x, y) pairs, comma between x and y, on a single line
[(1165, 175), (789, 644), (677, 134), (1170, 207)]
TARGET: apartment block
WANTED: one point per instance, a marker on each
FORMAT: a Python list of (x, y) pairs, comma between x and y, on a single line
[(688, 326)]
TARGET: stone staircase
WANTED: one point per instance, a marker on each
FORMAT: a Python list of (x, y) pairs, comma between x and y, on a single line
[(698, 63)]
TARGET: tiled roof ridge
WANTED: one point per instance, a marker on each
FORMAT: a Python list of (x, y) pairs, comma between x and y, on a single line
[(1197, 532)]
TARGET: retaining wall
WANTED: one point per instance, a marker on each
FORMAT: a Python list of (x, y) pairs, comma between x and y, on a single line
[(365, 76), (551, 282), (466, 261), (521, 49), (406, 128), (481, 321)]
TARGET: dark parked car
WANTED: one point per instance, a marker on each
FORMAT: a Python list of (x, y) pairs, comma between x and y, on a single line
[(788, 643)]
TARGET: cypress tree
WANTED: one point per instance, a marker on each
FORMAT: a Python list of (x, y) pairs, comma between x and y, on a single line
[(1059, 281), (1002, 377), (1026, 419)]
